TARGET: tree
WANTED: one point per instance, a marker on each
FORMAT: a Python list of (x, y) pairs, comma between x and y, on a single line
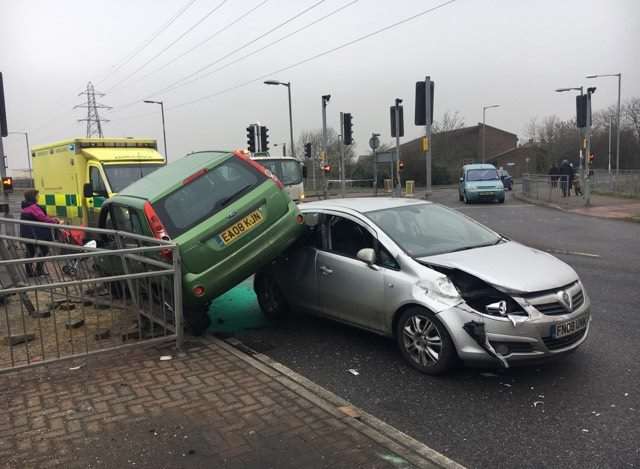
[(333, 149), (450, 121), (631, 113)]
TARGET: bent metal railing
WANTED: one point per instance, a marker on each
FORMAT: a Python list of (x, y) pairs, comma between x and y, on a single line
[(61, 299)]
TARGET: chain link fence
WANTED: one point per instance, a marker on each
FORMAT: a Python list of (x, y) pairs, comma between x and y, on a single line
[(69, 292)]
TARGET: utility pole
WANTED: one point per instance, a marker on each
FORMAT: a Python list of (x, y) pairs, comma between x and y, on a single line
[(323, 155), (93, 120), (26, 136), (341, 166)]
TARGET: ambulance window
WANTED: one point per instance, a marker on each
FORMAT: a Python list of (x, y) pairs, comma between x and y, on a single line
[(97, 184)]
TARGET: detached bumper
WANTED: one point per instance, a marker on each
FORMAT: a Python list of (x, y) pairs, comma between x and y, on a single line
[(483, 339)]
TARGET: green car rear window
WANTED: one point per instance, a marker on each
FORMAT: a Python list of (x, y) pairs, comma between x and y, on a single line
[(203, 197)]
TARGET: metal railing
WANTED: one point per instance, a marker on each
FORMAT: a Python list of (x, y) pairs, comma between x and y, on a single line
[(549, 188), (62, 299), (626, 183)]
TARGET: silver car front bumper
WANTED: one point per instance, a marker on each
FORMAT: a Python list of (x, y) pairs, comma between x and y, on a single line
[(505, 341)]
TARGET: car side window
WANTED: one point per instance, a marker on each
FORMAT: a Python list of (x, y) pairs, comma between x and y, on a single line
[(313, 231), (97, 184), (347, 237)]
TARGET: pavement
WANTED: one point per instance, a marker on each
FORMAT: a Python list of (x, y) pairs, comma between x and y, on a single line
[(212, 406), (601, 206)]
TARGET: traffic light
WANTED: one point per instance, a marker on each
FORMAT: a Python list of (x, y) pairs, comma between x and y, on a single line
[(251, 138), (326, 168), (393, 120), (264, 139), (400, 165), (307, 150), (347, 129), (7, 184), (421, 103)]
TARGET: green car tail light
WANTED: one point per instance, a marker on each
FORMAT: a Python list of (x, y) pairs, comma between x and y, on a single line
[(157, 228)]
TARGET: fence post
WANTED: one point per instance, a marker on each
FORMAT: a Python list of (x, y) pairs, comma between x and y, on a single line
[(12, 272), (177, 297)]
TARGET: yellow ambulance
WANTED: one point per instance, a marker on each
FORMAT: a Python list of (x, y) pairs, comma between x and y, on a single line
[(74, 177)]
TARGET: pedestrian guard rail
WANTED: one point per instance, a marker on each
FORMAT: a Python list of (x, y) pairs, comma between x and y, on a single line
[(548, 188), (623, 182), (75, 291)]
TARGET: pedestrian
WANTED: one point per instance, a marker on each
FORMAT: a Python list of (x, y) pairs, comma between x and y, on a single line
[(32, 212), (576, 186), (553, 174), (565, 172)]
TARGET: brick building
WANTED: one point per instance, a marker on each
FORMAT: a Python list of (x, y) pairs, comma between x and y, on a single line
[(527, 158), (451, 150)]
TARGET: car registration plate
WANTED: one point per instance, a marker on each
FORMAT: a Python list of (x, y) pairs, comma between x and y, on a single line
[(240, 228), (566, 328)]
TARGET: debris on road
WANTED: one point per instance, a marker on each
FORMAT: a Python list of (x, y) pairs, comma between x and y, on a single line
[(537, 403), (165, 358), (349, 411), (353, 372)]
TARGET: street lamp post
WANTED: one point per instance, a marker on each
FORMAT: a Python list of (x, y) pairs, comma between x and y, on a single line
[(164, 132), (26, 136), (619, 75), (288, 85), (484, 131)]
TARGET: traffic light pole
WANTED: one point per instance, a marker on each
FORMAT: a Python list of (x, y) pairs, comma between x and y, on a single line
[(324, 156), (397, 184), (427, 87), (342, 175)]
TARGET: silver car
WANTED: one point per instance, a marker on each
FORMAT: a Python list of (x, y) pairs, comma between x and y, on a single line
[(444, 286)]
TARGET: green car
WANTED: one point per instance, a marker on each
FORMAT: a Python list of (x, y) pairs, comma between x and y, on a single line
[(228, 215), (480, 183)]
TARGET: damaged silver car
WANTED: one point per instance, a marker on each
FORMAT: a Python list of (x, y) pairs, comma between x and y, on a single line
[(444, 286)]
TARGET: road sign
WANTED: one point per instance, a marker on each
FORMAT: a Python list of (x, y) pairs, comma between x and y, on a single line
[(384, 157), (374, 142)]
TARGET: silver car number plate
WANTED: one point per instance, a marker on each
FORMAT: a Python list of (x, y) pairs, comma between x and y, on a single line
[(566, 328)]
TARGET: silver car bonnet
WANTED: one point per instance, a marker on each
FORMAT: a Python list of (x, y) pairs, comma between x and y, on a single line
[(510, 266)]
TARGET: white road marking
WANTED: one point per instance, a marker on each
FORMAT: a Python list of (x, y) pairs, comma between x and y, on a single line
[(465, 207), (571, 253)]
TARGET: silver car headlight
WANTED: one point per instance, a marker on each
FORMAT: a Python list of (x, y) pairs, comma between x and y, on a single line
[(441, 287)]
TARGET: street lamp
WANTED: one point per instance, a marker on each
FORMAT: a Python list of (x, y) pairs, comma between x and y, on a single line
[(26, 136), (284, 147), (164, 132), (288, 85), (484, 131), (619, 75)]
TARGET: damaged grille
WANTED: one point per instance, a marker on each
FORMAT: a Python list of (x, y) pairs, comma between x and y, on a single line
[(562, 342), (549, 303)]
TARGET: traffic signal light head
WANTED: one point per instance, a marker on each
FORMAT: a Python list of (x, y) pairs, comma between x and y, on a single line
[(401, 165), (7, 184), (251, 138), (326, 168), (347, 128), (307, 150), (264, 138)]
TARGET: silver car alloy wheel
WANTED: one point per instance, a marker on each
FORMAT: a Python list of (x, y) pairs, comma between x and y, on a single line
[(422, 340)]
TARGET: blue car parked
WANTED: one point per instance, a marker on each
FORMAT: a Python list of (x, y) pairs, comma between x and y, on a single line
[(480, 182)]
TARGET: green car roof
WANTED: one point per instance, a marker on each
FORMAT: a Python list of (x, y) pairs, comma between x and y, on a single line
[(163, 180)]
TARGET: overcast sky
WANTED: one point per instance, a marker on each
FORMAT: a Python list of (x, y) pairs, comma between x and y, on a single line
[(508, 52)]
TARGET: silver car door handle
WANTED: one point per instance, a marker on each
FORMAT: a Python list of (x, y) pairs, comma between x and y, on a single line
[(325, 270)]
